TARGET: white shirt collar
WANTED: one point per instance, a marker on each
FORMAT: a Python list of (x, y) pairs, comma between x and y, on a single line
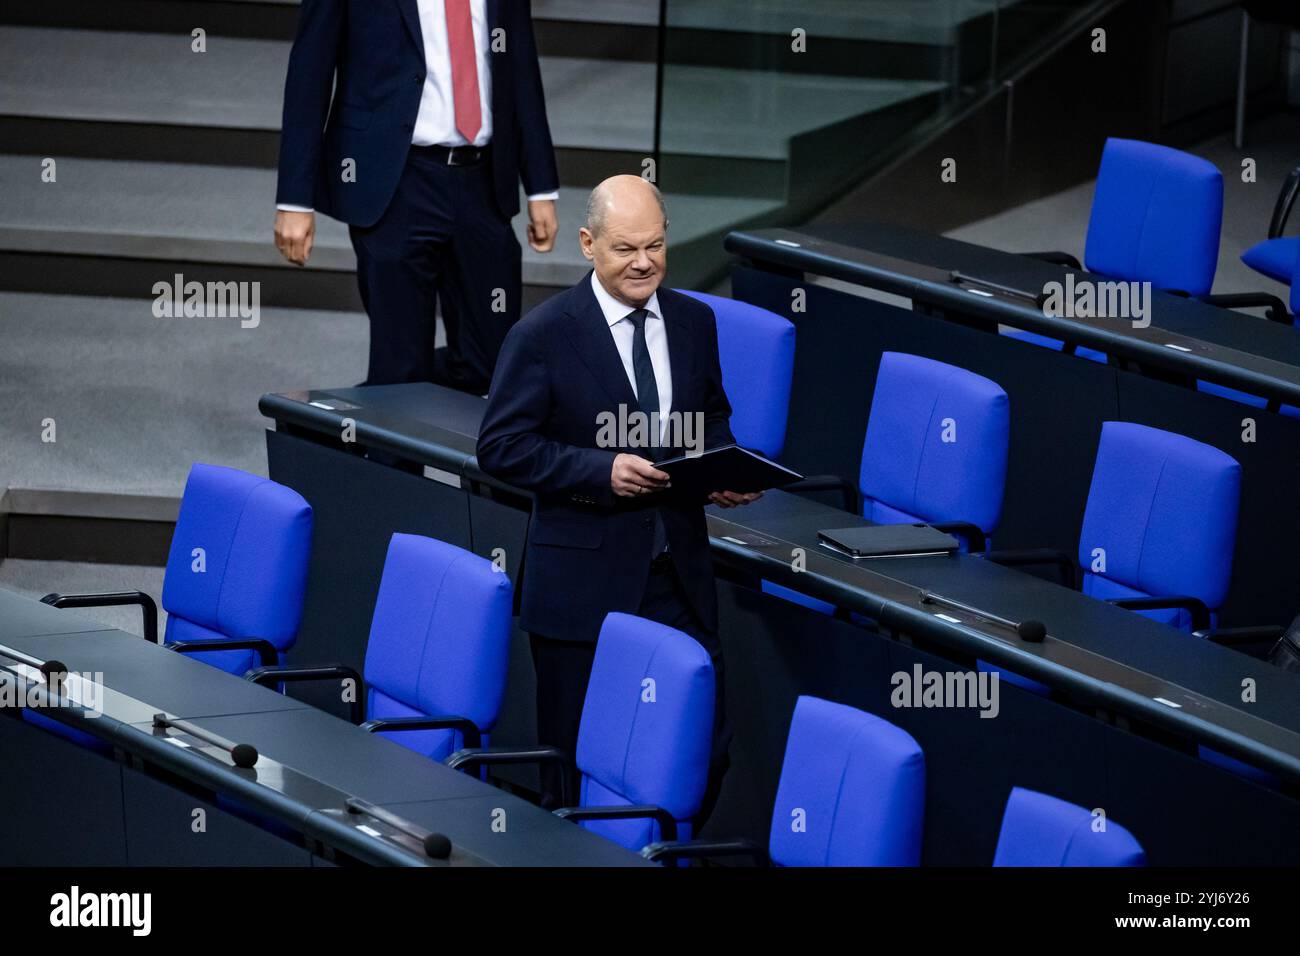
[(616, 311)]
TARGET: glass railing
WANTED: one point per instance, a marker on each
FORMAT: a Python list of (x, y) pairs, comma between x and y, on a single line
[(768, 110)]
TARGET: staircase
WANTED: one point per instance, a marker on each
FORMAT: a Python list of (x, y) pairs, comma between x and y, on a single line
[(166, 164)]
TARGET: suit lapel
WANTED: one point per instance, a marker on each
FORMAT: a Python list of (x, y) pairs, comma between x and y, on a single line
[(411, 14), (591, 338), (679, 351)]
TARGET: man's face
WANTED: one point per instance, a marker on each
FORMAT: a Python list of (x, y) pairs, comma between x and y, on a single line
[(630, 254)]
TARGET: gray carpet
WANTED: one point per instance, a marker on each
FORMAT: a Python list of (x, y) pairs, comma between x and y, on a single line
[(136, 399)]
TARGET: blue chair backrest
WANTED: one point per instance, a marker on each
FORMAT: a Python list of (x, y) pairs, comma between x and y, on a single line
[(1156, 216), (1038, 830), (1295, 284), (852, 791), (439, 641), (647, 725), (756, 351), (1161, 518), (936, 446), (237, 567)]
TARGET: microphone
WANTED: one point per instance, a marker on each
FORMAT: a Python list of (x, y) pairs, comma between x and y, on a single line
[(1032, 631), (54, 672), (242, 755), (437, 846)]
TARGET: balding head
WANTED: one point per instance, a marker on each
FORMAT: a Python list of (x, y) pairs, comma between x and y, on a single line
[(625, 237), (629, 195)]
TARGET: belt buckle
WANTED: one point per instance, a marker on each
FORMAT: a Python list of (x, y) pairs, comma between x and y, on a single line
[(451, 156)]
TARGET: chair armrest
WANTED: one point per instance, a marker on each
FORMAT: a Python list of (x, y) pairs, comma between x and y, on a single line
[(1194, 606), (1277, 310), (473, 758), (266, 651), (148, 608), (1057, 258), (852, 497), (1285, 200), (667, 825), (666, 852), (973, 533), (1026, 557), (1262, 637), (271, 676), (468, 729)]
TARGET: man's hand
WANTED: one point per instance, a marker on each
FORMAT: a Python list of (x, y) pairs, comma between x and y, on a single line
[(294, 234), (730, 499), (542, 224), (632, 475)]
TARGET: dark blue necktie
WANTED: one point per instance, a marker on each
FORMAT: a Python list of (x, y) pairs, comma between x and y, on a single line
[(647, 396)]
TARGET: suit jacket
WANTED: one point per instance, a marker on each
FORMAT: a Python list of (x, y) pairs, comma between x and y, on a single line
[(589, 550), (374, 50)]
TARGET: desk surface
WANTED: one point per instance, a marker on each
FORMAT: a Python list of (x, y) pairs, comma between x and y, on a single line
[(310, 762), (1184, 336), (1107, 654)]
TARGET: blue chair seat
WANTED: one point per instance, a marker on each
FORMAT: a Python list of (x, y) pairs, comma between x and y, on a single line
[(1275, 258)]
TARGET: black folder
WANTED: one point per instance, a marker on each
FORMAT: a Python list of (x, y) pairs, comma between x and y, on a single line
[(888, 540), (726, 468)]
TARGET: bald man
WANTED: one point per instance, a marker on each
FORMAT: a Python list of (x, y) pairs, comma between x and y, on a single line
[(576, 378)]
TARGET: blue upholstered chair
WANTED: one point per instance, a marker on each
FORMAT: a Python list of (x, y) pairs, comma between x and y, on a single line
[(236, 571), (756, 351), (852, 793), (645, 737), (1156, 217), (1159, 528), (1293, 277), (935, 452), (1160, 524), (435, 670), (1277, 255), (1038, 830)]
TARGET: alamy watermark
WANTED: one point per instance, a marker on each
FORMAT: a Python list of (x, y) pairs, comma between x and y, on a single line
[(208, 300), (633, 428), (920, 688), (1089, 299)]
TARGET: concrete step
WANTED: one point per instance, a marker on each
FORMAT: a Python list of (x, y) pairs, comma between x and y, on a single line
[(168, 215)]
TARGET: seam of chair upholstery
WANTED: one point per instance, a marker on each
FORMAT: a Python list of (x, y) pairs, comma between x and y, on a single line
[(1146, 525), (839, 793), (243, 510), (433, 609), (916, 478), (636, 713), (1146, 218)]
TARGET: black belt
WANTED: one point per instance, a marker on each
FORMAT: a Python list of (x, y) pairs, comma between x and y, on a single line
[(452, 155)]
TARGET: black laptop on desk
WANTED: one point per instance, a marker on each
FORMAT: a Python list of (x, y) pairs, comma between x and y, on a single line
[(888, 541)]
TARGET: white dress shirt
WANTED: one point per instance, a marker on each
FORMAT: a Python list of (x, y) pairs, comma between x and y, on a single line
[(435, 123), (656, 340)]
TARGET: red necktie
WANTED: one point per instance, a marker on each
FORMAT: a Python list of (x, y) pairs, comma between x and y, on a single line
[(464, 68)]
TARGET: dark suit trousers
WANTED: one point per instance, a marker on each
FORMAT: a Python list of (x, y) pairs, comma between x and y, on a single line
[(440, 241), (564, 668)]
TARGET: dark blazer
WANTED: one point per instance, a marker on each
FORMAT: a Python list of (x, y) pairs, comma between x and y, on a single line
[(375, 51), (589, 550)]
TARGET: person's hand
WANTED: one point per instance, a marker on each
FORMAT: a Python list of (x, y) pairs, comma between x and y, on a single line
[(732, 499), (542, 224), (632, 475), (294, 234)]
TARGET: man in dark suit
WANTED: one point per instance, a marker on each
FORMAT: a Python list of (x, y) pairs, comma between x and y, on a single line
[(437, 115), (607, 532)]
